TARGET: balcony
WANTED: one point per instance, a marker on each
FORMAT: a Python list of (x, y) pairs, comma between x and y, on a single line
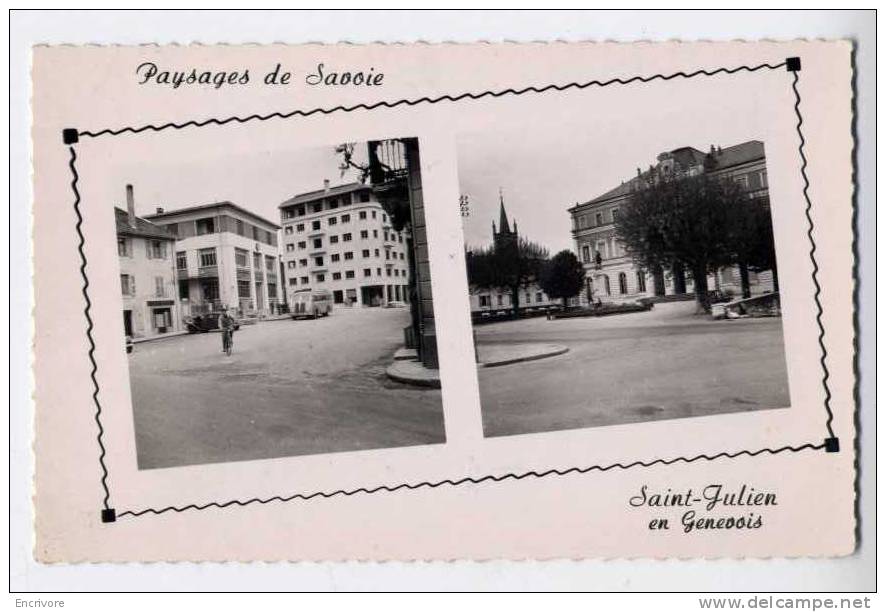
[(207, 272)]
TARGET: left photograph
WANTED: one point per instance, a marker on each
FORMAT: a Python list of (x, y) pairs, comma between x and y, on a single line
[(278, 305)]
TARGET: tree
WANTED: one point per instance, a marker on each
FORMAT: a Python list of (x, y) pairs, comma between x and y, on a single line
[(512, 266), (753, 241), (563, 276), (686, 220)]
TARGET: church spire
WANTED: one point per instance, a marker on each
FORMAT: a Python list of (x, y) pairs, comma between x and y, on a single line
[(503, 225)]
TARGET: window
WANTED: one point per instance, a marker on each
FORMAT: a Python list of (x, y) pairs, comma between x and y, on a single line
[(364, 234), (290, 247), (500, 299), (400, 238), (238, 225), (614, 214), (606, 285), (336, 276), (287, 230), (377, 253), (156, 249), (318, 261), (384, 218), (209, 289), (332, 221), (538, 297), (321, 278), (302, 262), (300, 227), (244, 288), (378, 271), (364, 196), (315, 225), (362, 214), (622, 283), (528, 297), (641, 281), (585, 254), (288, 213), (373, 214), (742, 181), (183, 293), (336, 257), (269, 263), (305, 280), (349, 274), (300, 211), (484, 301), (396, 272), (127, 284), (402, 256), (375, 233), (290, 264), (318, 243), (302, 245), (333, 240), (367, 272), (123, 247), (598, 218), (388, 271), (346, 218), (206, 257), (349, 255), (181, 260), (205, 226), (764, 181), (333, 203), (365, 252), (318, 207), (346, 237), (293, 281), (256, 261), (387, 254)]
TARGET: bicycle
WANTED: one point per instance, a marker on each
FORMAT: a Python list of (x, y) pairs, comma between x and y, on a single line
[(228, 341)]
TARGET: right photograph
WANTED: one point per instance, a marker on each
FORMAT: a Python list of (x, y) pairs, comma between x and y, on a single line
[(619, 282)]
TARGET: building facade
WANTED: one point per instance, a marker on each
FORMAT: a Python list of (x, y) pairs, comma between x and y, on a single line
[(226, 257), (340, 239), (611, 275), (492, 300), (147, 275)]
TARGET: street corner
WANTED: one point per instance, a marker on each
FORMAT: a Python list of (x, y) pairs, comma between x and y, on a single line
[(496, 355), (406, 368)]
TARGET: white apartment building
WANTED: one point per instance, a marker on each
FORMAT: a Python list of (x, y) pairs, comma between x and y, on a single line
[(340, 239), (147, 275), (226, 257)]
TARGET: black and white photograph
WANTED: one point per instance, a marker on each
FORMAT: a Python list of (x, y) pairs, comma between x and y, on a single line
[(278, 305), (619, 275)]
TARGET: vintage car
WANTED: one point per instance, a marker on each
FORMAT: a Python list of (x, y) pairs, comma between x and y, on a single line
[(199, 324)]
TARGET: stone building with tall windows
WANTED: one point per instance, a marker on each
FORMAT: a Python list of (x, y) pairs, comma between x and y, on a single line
[(611, 275), (340, 239), (226, 257), (147, 274)]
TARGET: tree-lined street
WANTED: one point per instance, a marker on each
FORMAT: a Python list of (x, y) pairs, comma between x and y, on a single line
[(656, 365), (290, 388)]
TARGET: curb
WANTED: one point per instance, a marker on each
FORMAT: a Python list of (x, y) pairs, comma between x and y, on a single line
[(496, 364), (393, 374)]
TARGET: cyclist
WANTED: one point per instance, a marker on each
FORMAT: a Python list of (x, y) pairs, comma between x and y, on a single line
[(226, 323)]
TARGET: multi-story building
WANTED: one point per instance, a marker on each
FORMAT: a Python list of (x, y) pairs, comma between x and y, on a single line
[(226, 257), (494, 299), (147, 274), (341, 239), (611, 275)]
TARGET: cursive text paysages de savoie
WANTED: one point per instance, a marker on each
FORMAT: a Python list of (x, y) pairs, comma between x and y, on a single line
[(149, 73)]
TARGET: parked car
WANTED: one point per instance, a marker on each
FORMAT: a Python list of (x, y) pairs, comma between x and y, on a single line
[(311, 303), (199, 324)]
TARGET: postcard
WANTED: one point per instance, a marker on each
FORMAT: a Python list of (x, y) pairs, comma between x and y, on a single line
[(443, 301)]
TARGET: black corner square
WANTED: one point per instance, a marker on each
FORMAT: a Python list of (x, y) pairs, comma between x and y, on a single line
[(832, 445), (109, 515), (70, 135), (793, 64)]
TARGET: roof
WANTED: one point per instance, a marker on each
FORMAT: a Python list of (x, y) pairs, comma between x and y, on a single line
[(690, 156), (310, 196), (170, 214), (144, 229)]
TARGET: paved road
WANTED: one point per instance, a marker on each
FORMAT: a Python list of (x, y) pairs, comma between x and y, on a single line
[(662, 364), (290, 388)]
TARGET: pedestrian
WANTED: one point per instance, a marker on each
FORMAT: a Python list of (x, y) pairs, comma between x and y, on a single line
[(226, 323)]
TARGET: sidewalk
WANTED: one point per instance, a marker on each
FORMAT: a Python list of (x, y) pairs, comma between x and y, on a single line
[(406, 368)]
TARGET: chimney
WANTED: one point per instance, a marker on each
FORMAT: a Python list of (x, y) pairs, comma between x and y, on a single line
[(130, 205), (326, 185), (159, 210)]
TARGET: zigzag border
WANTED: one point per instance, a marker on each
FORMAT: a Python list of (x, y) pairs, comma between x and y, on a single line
[(108, 514)]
